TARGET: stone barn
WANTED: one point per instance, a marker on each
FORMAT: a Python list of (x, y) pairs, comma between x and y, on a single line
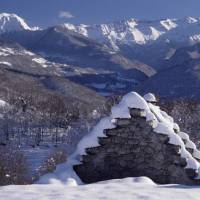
[(144, 141)]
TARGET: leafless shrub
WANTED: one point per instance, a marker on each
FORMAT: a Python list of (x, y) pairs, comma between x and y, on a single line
[(57, 157), (186, 112), (13, 167)]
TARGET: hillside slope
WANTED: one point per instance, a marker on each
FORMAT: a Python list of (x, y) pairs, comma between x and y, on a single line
[(63, 46), (20, 67), (180, 77)]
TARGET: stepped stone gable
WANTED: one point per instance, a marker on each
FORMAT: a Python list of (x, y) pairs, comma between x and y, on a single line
[(133, 149)]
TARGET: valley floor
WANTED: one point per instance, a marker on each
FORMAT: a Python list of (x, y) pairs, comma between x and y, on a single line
[(130, 189)]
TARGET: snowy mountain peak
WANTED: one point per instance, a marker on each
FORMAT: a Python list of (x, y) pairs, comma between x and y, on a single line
[(12, 22), (82, 28), (192, 20)]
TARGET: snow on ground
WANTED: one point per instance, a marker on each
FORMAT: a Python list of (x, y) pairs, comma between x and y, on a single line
[(129, 188), (36, 157), (194, 54), (41, 61), (98, 85), (6, 63), (7, 51), (3, 103)]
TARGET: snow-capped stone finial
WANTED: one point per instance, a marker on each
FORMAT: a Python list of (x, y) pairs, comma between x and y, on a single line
[(150, 98), (129, 101)]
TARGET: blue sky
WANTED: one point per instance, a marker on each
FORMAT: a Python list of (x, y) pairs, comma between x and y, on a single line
[(50, 12)]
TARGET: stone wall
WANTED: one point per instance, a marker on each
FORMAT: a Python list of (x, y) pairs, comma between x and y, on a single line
[(133, 149)]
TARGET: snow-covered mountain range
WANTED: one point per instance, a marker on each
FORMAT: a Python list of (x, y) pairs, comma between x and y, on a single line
[(141, 31), (130, 31), (136, 39), (142, 46), (149, 41), (12, 22)]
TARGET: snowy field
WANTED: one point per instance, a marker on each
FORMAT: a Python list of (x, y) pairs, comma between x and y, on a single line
[(128, 189)]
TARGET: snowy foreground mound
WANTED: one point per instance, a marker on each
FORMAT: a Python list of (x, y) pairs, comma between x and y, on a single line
[(130, 189)]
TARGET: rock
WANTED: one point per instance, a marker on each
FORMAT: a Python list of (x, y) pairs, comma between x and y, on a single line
[(123, 163), (191, 173), (123, 122), (134, 112)]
